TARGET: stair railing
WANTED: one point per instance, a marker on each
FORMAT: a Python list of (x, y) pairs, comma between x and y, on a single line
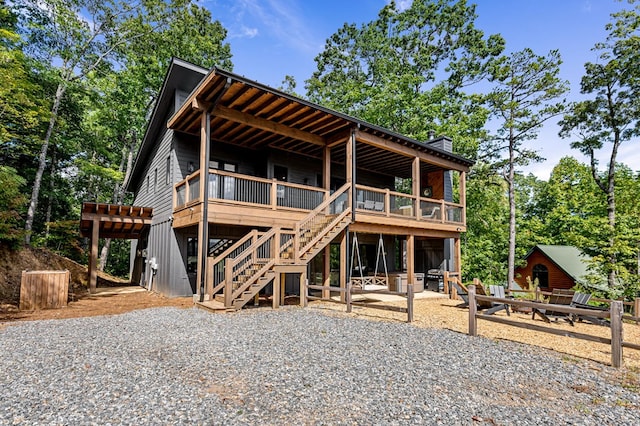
[(310, 229), (216, 272), (252, 263)]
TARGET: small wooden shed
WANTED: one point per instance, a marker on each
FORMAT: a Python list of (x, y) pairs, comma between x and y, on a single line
[(554, 266)]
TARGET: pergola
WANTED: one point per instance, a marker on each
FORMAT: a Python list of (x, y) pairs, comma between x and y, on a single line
[(100, 220)]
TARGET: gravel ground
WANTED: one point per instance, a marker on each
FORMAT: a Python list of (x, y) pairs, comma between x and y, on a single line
[(290, 366)]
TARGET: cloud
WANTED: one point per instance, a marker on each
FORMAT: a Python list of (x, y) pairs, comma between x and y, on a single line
[(280, 19)]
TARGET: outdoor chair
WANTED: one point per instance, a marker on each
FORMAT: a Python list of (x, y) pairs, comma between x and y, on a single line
[(369, 204), (558, 297), (463, 293), (435, 214), (498, 291), (581, 300), (378, 206), (489, 308)]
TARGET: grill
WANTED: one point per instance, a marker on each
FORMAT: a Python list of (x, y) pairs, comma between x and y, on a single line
[(435, 280)]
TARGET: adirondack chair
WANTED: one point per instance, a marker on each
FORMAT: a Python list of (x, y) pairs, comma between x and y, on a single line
[(491, 308), (462, 291), (558, 297), (498, 291), (581, 300)]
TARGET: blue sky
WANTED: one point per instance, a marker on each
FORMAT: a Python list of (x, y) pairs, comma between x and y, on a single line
[(273, 38)]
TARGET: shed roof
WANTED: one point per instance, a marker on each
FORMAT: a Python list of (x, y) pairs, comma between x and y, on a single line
[(568, 258)]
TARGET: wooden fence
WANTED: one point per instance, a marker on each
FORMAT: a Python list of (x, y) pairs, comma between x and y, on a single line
[(44, 289), (632, 306), (614, 314), (349, 291)]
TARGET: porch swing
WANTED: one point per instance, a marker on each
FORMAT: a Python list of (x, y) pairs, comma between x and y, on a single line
[(375, 279)]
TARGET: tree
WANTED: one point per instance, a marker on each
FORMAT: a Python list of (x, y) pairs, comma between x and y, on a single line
[(406, 70), (78, 37), (527, 87), (610, 116), (124, 97)]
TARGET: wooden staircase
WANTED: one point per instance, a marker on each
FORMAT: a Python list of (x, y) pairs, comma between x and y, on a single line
[(251, 263)]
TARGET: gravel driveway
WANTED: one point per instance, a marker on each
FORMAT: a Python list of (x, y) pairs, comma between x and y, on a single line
[(290, 366)]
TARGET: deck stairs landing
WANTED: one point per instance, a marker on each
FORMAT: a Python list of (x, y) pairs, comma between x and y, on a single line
[(251, 263)]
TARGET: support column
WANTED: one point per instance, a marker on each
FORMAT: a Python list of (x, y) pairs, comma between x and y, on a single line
[(326, 274), (343, 265), (350, 172), (276, 292), (463, 196), (203, 224), (411, 264), (326, 168), (456, 257), (93, 257), (415, 185)]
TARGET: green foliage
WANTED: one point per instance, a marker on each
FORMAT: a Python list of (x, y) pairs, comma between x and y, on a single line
[(610, 117), (12, 203), (406, 70)]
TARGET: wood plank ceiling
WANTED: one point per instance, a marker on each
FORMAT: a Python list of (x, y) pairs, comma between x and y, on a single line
[(255, 117)]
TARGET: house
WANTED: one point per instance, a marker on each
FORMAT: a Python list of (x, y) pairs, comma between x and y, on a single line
[(554, 266), (254, 190)]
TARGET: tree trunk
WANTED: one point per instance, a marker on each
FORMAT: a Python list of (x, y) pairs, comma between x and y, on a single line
[(511, 261), (42, 163)]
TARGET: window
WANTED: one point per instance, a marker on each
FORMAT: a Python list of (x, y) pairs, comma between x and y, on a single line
[(192, 255), (281, 173), (168, 171), (541, 273), (147, 184), (155, 179)]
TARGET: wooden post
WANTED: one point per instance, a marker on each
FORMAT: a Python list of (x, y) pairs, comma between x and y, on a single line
[(445, 283), (203, 224), (93, 259), (348, 296), (228, 282), (283, 283), (415, 187), (303, 289), (343, 266), (636, 310), (473, 326), (276, 292), (326, 294), (409, 302), (411, 264), (616, 333), (463, 196), (274, 194)]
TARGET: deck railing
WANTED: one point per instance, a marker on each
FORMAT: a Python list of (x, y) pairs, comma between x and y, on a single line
[(390, 203), (244, 189)]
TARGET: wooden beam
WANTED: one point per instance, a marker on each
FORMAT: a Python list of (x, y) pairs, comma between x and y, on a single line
[(200, 105), (264, 124), (411, 264), (93, 257), (186, 107), (343, 265), (326, 168), (463, 196), (339, 139), (326, 294), (388, 145)]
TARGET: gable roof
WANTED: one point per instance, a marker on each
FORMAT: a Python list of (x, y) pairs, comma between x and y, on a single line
[(250, 114), (568, 258), (181, 75)]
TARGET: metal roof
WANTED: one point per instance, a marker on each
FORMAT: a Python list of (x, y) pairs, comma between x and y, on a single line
[(568, 258)]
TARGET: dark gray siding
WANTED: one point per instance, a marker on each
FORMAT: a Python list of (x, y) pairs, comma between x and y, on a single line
[(156, 190)]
